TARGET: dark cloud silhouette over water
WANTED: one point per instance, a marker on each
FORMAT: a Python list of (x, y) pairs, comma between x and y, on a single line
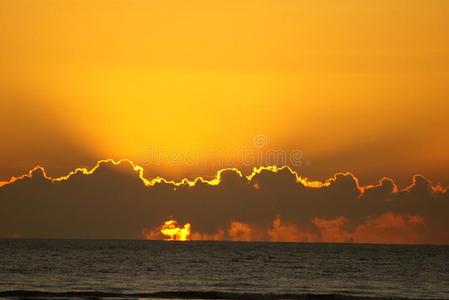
[(114, 200)]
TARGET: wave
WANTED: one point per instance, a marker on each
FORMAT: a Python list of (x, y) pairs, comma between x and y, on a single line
[(21, 294)]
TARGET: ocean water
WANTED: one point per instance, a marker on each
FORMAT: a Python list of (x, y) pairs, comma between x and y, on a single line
[(60, 269)]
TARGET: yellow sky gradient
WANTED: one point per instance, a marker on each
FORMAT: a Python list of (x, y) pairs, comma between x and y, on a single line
[(356, 86)]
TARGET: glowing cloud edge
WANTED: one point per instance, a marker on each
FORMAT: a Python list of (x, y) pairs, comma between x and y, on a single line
[(216, 180)]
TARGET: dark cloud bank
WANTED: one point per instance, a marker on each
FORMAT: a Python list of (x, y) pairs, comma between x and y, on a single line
[(114, 202)]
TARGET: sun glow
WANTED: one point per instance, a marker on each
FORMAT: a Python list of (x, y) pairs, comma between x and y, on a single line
[(169, 82), (173, 232)]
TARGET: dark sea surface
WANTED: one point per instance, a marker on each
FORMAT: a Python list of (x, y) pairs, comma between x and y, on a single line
[(60, 269)]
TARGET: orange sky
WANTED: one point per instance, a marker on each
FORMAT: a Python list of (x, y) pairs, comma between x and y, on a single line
[(354, 86)]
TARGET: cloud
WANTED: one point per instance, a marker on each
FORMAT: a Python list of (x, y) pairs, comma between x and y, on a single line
[(240, 232), (389, 228), (280, 232), (115, 200)]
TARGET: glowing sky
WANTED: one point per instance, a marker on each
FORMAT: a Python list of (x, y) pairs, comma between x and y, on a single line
[(356, 86)]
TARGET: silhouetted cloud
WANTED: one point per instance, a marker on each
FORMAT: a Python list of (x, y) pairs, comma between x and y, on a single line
[(115, 200)]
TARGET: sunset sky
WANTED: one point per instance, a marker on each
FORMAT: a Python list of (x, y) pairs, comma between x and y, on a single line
[(349, 86), (355, 87)]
